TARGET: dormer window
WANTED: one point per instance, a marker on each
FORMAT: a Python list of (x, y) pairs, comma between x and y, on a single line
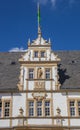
[(36, 54), (42, 54)]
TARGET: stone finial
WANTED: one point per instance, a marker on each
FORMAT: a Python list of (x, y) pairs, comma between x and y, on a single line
[(58, 111), (29, 41), (49, 41), (21, 111)]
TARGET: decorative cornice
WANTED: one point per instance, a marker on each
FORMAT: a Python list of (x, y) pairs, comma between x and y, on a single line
[(39, 62), (32, 45), (47, 91)]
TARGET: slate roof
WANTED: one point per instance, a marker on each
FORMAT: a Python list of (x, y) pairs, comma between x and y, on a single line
[(68, 69)]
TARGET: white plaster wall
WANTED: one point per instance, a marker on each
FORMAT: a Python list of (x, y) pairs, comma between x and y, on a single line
[(30, 95), (30, 85), (74, 122), (60, 101), (54, 76), (36, 59), (19, 100), (4, 123), (47, 85), (40, 121), (25, 77)]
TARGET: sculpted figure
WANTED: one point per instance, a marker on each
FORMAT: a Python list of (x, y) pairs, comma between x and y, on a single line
[(39, 73)]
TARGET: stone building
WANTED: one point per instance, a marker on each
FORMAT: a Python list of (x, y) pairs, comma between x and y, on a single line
[(40, 88)]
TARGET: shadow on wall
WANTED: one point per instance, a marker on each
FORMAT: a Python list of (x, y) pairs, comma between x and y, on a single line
[(62, 74)]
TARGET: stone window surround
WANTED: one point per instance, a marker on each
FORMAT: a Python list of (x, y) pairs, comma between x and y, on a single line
[(39, 53), (76, 100), (3, 107), (35, 107), (44, 72)]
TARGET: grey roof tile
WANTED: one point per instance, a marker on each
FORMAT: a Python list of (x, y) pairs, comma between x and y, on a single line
[(68, 69)]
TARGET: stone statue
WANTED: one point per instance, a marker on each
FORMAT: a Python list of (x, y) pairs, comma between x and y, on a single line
[(39, 73)]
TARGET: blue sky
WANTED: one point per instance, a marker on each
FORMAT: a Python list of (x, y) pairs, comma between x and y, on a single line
[(60, 21)]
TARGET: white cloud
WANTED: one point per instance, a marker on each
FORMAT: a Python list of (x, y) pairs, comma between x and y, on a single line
[(16, 49), (54, 2), (44, 2)]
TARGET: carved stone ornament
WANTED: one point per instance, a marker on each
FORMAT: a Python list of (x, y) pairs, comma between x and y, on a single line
[(39, 86), (39, 73), (39, 95)]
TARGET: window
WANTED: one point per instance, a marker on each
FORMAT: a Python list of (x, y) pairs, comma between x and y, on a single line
[(47, 73), (0, 108), (31, 73), (36, 54), (79, 108), (47, 108), (6, 109), (31, 108), (72, 108), (42, 54), (39, 108)]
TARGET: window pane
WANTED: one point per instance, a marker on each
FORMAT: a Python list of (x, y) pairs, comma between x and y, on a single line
[(31, 108), (36, 54), (0, 108), (72, 108), (47, 108), (31, 73), (79, 108), (7, 109), (39, 108), (47, 73), (71, 103), (42, 54)]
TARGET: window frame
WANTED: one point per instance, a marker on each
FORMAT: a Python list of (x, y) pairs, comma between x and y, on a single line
[(48, 73), (36, 54), (42, 107), (76, 100), (39, 107), (0, 108), (31, 73), (47, 107), (6, 109), (3, 108), (42, 54), (72, 108), (30, 107), (78, 107)]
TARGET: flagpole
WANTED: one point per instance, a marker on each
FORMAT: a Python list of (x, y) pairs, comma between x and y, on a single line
[(38, 14), (39, 29)]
